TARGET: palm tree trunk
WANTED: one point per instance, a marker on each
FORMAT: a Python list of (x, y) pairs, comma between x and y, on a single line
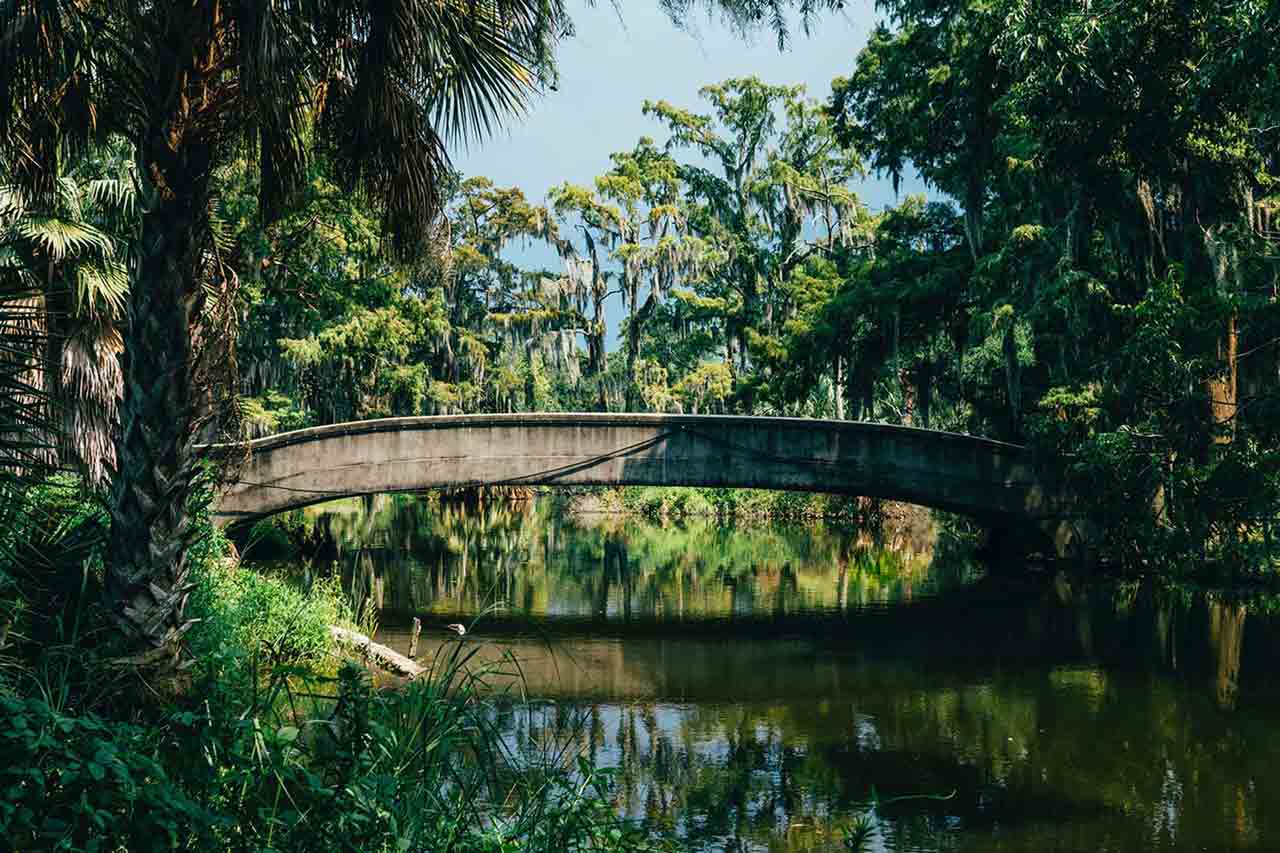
[(147, 571)]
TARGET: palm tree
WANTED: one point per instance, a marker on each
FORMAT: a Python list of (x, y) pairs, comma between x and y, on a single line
[(70, 262), (379, 87)]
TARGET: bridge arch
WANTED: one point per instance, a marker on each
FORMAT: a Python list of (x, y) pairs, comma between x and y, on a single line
[(975, 476)]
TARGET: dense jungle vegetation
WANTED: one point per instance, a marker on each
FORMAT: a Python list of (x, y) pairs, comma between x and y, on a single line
[(1098, 277), (1094, 274), (219, 221)]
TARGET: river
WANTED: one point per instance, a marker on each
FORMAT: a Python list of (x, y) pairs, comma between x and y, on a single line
[(760, 686)]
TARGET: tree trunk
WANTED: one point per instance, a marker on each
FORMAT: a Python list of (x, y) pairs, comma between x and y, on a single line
[(908, 396), (638, 318), (924, 391), (147, 572), (837, 388), (595, 341), (862, 391), (595, 337), (973, 224), (1013, 381), (1223, 388), (633, 349), (1221, 270)]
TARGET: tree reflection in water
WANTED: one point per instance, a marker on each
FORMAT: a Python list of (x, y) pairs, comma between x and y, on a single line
[(753, 686), (417, 555)]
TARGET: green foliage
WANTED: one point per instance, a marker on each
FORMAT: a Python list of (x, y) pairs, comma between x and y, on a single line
[(661, 503), (267, 749), (1157, 460), (1069, 303), (52, 532), (658, 502), (79, 782), (1053, 296), (272, 413), (775, 176), (704, 389), (263, 616), (409, 769), (64, 261)]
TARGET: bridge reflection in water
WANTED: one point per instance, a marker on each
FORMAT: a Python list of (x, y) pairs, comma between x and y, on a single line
[(752, 685)]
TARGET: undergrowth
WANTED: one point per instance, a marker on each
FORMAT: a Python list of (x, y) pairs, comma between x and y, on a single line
[(274, 743)]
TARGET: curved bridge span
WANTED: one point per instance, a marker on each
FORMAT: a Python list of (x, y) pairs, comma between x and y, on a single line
[(959, 473)]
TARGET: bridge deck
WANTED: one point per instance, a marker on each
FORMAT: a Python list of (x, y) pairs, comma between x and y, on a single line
[(960, 473)]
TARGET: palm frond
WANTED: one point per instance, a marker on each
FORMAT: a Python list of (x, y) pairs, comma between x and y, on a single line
[(93, 382), (275, 47), (26, 429), (13, 204), (101, 288), (114, 194), (60, 239), (48, 91), (420, 74), (221, 236), (68, 199), (62, 377), (383, 144), (476, 63)]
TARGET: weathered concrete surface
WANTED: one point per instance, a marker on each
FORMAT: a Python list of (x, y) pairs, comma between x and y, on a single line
[(959, 473)]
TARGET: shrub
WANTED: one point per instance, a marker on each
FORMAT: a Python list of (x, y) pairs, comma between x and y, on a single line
[(260, 615), (267, 750), (83, 783)]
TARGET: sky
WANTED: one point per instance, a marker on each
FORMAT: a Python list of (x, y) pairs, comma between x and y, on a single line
[(622, 55)]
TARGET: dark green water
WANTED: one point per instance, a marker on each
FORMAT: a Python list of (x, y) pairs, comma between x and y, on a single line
[(754, 685)]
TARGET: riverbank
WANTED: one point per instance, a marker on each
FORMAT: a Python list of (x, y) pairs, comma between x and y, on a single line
[(270, 734)]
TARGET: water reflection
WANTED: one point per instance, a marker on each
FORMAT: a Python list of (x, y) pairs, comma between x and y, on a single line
[(755, 686), (414, 555)]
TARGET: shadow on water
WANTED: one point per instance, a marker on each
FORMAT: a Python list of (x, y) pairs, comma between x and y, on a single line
[(755, 685)]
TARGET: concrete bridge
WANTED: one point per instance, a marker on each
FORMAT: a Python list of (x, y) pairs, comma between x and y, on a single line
[(990, 480)]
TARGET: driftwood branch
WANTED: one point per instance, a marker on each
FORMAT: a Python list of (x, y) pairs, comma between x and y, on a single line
[(375, 653)]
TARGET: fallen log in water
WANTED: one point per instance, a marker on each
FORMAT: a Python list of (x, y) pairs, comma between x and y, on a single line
[(375, 653)]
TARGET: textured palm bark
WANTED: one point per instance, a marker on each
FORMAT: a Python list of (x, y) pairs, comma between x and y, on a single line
[(147, 571)]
